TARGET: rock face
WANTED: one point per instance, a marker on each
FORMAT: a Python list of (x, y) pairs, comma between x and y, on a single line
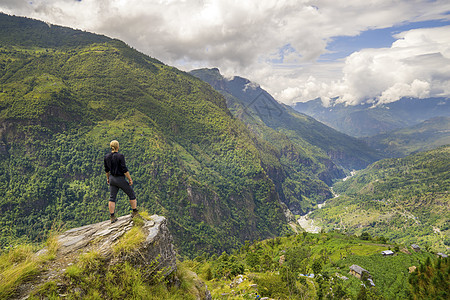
[(104, 235), (156, 250)]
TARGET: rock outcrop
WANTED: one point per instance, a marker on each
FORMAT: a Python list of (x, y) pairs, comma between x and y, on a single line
[(103, 237), (155, 250)]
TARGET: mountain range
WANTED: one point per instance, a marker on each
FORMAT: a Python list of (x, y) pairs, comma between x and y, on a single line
[(366, 120), (64, 94), (221, 159), (424, 136), (310, 152), (258, 109)]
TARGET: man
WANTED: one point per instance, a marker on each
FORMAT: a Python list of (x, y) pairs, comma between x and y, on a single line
[(116, 171)]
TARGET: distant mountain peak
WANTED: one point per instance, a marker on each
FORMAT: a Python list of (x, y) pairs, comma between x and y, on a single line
[(368, 119)]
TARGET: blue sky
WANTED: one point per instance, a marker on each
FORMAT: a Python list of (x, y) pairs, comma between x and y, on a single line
[(298, 50), (342, 46)]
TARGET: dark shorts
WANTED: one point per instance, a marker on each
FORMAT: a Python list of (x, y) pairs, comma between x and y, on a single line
[(119, 182)]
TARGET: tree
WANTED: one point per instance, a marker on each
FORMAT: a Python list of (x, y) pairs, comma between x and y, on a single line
[(365, 236)]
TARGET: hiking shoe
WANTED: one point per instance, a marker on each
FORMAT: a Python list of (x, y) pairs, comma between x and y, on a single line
[(113, 219), (135, 214)]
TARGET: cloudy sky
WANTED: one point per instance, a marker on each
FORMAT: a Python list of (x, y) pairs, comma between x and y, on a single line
[(298, 50)]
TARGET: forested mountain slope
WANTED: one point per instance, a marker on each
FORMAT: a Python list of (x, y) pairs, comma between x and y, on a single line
[(64, 94), (404, 199), (274, 121), (424, 136)]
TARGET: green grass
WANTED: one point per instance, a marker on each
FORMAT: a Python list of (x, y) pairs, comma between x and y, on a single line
[(17, 266), (328, 254), (130, 241), (74, 272)]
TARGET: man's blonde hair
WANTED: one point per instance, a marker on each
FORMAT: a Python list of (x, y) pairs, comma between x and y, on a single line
[(114, 145)]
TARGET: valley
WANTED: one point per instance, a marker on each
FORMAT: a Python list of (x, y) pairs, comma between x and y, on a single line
[(405, 200), (250, 189)]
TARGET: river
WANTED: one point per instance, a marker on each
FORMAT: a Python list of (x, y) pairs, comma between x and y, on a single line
[(308, 224)]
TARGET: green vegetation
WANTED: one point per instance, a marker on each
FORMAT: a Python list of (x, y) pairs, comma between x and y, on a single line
[(405, 200), (274, 267), (62, 100), (131, 240), (124, 281), (430, 280), (20, 264), (93, 278), (427, 135)]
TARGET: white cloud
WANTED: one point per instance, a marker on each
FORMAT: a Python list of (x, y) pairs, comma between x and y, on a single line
[(243, 38), (417, 65), (417, 89)]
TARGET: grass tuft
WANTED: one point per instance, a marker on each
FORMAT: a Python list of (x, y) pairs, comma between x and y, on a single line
[(138, 222), (16, 266), (130, 241), (144, 214), (50, 289), (74, 272), (90, 261)]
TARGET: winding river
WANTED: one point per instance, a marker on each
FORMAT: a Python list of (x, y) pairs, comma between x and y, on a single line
[(308, 224)]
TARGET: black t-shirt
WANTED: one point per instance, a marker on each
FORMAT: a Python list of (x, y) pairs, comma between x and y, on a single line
[(115, 164)]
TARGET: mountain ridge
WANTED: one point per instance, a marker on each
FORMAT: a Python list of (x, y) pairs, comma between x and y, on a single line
[(367, 120), (191, 161), (247, 99), (424, 136)]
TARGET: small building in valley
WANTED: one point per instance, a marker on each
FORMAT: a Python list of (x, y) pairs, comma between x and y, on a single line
[(358, 272), (387, 253), (442, 255), (412, 269)]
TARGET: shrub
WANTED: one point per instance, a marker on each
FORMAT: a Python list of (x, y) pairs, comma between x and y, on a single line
[(227, 266)]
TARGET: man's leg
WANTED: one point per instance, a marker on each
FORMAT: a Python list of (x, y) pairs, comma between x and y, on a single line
[(133, 204), (135, 211), (112, 207), (112, 200), (128, 189)]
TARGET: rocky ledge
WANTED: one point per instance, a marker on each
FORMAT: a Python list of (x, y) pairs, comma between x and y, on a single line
[(103, 237), (156, 249)]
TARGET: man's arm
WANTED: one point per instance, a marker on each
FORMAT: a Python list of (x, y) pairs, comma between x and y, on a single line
[(106, 170), (130, 181)]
